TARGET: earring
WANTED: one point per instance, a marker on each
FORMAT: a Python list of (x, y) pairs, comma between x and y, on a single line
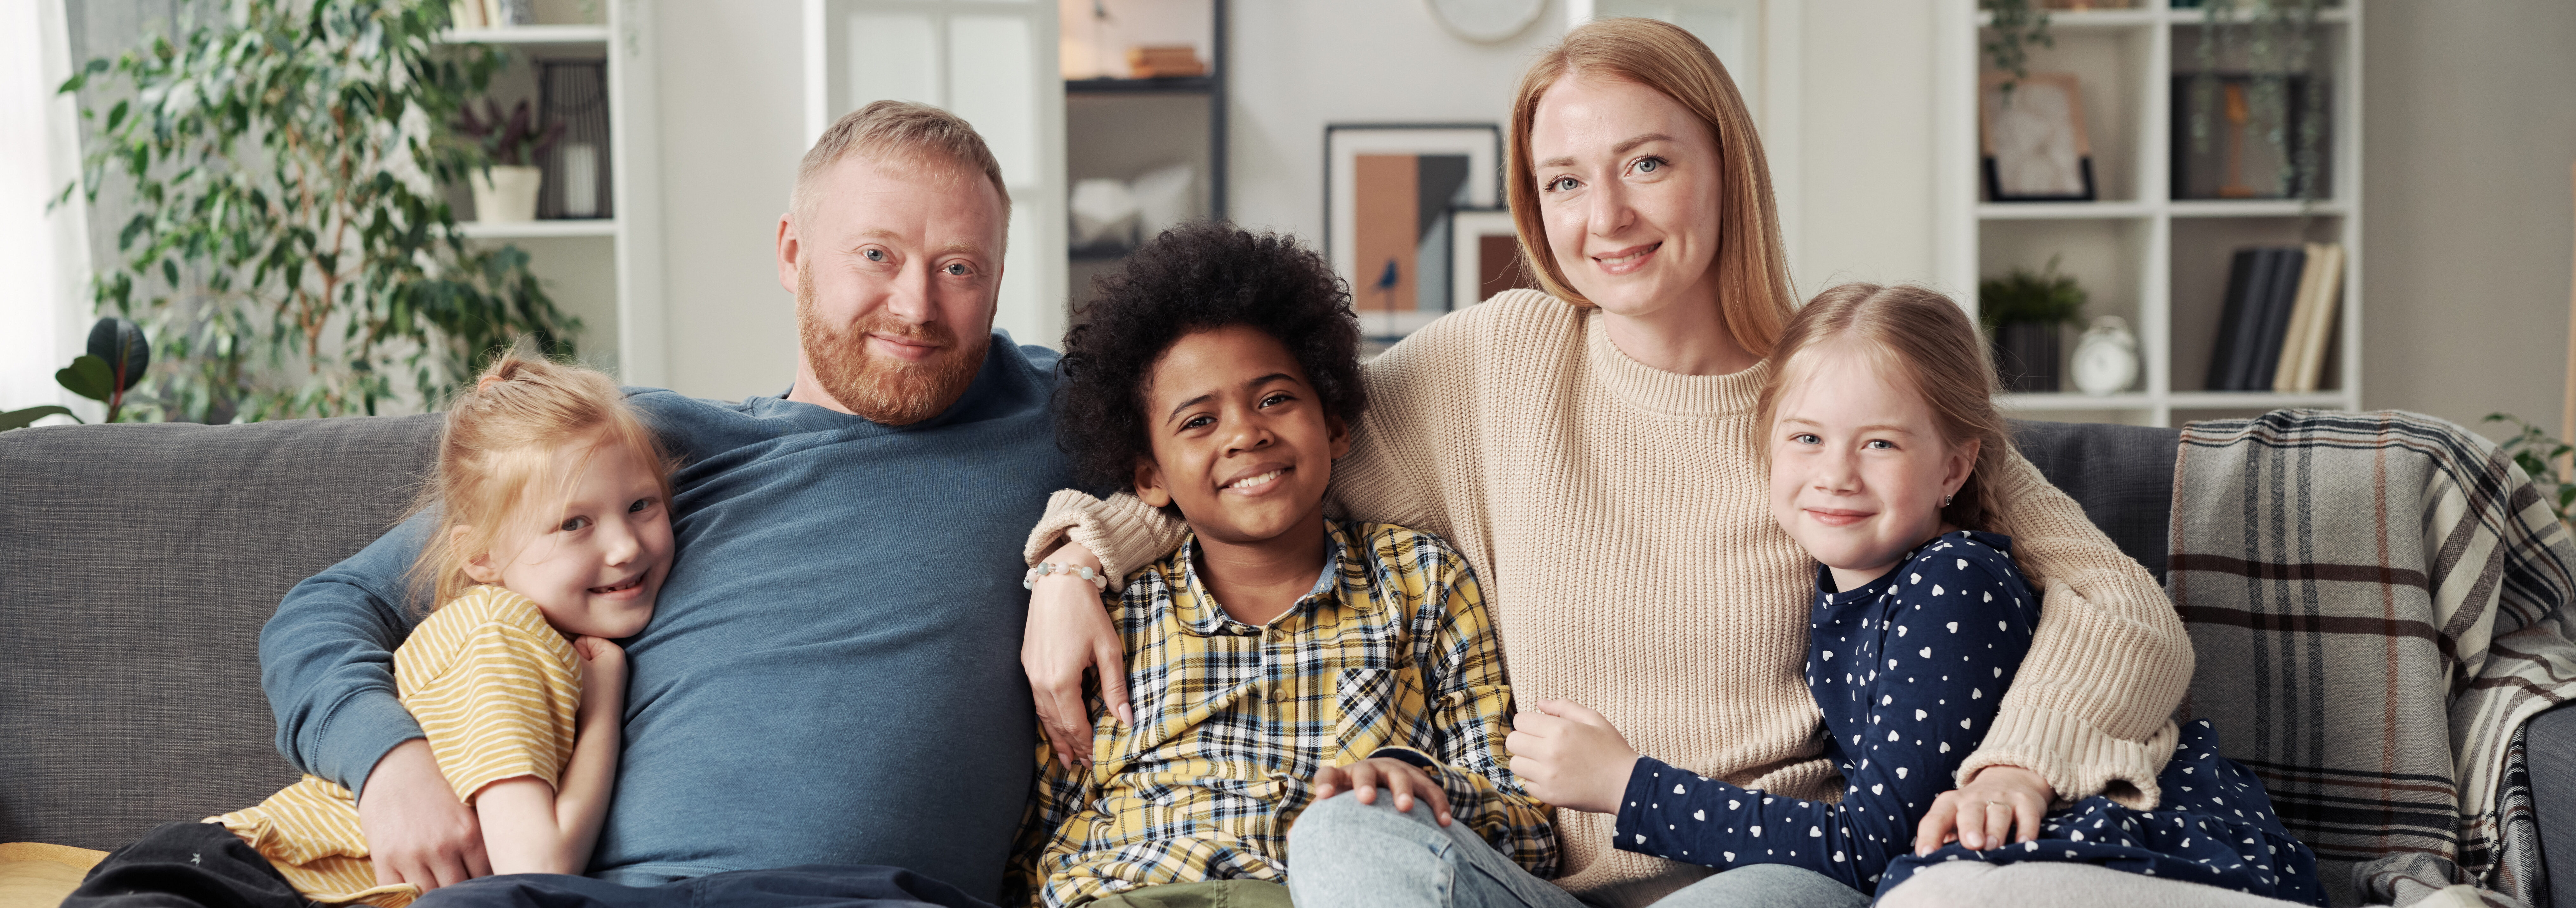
[(1945, 500)]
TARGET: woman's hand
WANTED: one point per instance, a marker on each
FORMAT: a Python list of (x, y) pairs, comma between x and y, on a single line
[(1998, 802), (1567, 755), (1069, 633), (1405, 780)]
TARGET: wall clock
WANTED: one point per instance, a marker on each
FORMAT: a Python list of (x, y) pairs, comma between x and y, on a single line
[(1486, 21)]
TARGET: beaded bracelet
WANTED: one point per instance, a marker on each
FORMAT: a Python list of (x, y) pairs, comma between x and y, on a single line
[(1098, 580)]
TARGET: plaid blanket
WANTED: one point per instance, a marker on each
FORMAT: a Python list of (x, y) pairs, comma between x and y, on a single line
[(2378, 601)]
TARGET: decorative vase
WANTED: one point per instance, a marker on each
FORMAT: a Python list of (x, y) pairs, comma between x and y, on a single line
[(2026, 356), (505, 194)]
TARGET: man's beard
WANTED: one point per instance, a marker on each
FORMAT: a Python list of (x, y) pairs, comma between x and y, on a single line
[(881, 388)]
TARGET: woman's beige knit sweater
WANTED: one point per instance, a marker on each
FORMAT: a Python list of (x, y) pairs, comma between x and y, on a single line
[(1620, 519)]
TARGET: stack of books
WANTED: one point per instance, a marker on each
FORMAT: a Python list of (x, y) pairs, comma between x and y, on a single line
[(1156, 62), (2278, 317)]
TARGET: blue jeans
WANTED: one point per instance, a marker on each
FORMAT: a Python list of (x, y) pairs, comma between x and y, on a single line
[(1345, 853)]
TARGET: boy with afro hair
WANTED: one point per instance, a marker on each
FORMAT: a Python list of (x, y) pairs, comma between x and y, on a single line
[(1278, 656)]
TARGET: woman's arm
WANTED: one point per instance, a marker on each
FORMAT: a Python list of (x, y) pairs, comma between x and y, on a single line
[(2092, 710), (1392, 474), (532, 827)]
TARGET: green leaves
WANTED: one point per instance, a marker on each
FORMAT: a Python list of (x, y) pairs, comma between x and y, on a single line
[(2024, 296), (88, 376), (20, 419), (120, 346), (285, 160), (2539, 456)]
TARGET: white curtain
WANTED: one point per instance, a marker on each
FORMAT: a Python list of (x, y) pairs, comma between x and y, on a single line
[(44, 262)]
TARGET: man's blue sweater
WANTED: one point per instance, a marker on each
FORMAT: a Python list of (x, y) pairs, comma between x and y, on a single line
[(832, 673)]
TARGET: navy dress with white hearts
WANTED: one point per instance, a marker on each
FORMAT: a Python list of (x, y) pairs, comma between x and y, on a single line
[(1908, 671)]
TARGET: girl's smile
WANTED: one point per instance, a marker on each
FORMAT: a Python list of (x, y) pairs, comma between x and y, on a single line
[(1859, 468)]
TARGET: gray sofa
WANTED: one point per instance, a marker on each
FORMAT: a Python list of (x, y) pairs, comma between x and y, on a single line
[(138, 562)]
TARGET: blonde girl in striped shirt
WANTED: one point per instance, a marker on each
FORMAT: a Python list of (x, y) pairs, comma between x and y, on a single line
[(552, 538)]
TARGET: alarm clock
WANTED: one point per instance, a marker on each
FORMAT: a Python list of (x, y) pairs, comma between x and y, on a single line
[(2106, 357)]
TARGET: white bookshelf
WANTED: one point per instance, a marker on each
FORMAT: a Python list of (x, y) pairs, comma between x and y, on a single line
[(605, 270), (2155, 261)]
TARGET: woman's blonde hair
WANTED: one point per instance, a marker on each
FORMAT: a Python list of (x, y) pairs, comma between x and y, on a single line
[(503, 451), (1920, 338), (1753, 291)]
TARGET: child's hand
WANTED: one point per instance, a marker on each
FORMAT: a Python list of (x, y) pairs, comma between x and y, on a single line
[(1569, 756), (1997, 802), (603, 674), (1405, 780)]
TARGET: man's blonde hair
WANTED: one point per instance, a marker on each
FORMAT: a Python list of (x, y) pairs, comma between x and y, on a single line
[(900, 132)]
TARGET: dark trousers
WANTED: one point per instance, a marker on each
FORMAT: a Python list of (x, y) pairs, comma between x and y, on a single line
[(181, 865), (809, 886)]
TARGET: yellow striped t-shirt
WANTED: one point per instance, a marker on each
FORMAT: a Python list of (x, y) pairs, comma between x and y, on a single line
[(493, 686)]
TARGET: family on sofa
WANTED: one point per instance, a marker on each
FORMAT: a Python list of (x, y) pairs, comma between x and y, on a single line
[(1649, 586)]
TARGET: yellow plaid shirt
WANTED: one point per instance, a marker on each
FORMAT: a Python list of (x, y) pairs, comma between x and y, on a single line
[(1391, 654)]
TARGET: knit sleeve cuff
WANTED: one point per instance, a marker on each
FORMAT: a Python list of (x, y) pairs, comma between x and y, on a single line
[(1122, 531), (2078, 760)]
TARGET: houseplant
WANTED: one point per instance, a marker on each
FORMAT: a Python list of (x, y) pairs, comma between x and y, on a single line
[(290, 252), (114, 364), (2023, 312), (505, 192)]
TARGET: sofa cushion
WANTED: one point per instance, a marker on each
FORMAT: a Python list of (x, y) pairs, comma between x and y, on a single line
[(137, 564), (2122, 475)]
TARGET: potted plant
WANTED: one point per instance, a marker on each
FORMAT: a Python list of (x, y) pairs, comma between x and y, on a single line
[(2023, 313), (288, 254), (506, 191)]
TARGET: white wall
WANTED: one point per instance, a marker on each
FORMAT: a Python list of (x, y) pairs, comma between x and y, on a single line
[(1866, 172), (732, 113), (1296, 66), (2468, 133), (2468, 141)]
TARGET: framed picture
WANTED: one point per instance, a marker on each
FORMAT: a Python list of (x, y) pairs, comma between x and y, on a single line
[(1388, 191), (2234, 136), (1484, 256), (2033, 138)]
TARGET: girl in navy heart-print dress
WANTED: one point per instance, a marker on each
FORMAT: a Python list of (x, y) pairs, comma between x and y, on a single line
[(1880, 427)]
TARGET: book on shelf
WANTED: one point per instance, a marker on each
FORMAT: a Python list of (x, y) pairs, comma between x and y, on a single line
[(2249, 310), (465, 14), (2285, 367), (2222, 358), (2304, 357), (2278, 301), (2276, 318), (1166, 60)]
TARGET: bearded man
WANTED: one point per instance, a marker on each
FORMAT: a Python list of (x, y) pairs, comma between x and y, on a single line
[(832, 674)]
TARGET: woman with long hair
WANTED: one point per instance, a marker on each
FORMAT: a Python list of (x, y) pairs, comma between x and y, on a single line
[(1591, 447)]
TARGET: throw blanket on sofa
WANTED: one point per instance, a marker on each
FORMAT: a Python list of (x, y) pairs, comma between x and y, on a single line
[(2377, 601)]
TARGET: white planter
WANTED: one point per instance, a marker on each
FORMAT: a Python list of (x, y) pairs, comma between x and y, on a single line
[(505, 195)]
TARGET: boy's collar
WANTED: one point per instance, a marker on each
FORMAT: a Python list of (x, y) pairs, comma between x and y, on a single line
[(1199, 610)]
